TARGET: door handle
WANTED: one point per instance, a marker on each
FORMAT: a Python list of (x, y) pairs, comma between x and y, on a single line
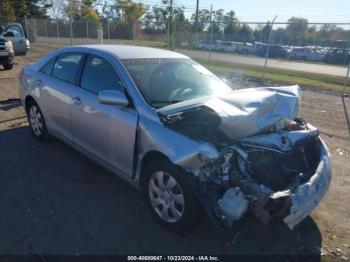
[(76, 100)]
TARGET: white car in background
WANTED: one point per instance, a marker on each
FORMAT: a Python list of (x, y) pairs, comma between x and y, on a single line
[(226, 46), (15, 33), (306, 53)]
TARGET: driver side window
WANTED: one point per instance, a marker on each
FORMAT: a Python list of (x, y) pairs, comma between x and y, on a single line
[(99, 75)]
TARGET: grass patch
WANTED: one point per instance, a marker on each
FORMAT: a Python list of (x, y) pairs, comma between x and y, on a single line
[(316, 81)]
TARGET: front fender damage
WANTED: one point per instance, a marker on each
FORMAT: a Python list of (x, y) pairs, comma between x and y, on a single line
[(230, 186), (246, 152)]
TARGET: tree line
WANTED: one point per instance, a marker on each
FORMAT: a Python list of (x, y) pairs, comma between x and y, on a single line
[(126, 17)]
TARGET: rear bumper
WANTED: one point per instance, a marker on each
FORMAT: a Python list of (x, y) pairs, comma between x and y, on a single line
[(308, 195)]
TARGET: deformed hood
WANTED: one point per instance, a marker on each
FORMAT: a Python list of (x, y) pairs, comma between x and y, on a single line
[(247, 112)]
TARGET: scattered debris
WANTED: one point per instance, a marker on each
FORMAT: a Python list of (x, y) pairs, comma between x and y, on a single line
[(340, 151), (337, 252)]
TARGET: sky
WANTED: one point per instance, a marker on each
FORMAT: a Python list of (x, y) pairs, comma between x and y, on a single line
[(258, 10)]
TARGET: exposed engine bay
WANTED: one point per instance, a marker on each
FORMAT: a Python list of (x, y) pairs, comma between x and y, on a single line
[(271, 161)]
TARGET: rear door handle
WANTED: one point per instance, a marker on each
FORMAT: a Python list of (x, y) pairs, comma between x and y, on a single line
[(76, 100)]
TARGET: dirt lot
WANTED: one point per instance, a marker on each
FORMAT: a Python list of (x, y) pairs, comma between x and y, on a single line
[(56, 201)]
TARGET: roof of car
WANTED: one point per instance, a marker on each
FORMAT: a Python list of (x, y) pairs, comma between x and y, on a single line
[(134, 52)]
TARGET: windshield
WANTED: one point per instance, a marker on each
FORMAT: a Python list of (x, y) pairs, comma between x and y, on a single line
[(169, 80)]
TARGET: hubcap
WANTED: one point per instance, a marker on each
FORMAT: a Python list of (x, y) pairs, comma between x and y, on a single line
[(166, 197), (35, 120)]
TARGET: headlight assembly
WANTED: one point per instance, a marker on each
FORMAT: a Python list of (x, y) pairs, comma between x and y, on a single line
[(9, 46)]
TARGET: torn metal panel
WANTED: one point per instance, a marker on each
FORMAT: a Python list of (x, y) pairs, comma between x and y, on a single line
[(309, 194), (282, 140), (247, 112)]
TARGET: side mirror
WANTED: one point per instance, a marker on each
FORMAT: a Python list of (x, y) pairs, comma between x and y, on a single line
[(113, 97)]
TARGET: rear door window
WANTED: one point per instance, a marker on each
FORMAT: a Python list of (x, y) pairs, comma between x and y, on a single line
[(66, 67)]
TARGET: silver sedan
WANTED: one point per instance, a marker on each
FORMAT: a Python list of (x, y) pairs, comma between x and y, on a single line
[(173, 129)]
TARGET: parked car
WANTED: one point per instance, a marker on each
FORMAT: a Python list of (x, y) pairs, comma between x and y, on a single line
[(225, 46), (205, 45), (275, 51), (15, 33), (246, 48), (173, 129), (339, 56), (6, 53), (306, 53)]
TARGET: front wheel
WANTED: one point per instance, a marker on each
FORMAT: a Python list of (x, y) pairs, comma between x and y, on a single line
[(37, 122), (169, 194)]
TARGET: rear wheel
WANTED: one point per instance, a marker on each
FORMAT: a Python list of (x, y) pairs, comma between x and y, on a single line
[(8, 66), (37, 121), (170, 197)]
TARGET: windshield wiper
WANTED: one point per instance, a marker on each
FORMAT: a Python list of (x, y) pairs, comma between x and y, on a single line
[(174, 101)]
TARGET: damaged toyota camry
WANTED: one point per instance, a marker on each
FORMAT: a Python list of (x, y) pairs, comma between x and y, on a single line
[(178, 132)]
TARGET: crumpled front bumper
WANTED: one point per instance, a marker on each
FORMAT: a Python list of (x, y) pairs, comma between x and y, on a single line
[(308, 195)]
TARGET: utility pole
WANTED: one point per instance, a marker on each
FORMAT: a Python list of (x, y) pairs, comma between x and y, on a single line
[(170, 21), (211, 32), (71, 22), (268, 47), (196, 17)]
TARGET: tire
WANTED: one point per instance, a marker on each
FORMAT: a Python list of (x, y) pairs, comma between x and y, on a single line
[(182, 210), (8, 66), (37, 122)]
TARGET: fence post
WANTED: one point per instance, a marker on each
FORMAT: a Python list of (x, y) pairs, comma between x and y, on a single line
[(26, 26), (108, 34), (133, 30), (71, 32), (35, 30), (57, 29), (87, 29), (346, 78), (344, 95), (268, 47), (170, 21), (100, 36), (211, 32), (45, 29)]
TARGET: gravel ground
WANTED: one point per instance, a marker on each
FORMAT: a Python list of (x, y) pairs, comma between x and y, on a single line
[(56, 201)]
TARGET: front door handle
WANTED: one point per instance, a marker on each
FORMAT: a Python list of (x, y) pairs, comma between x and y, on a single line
[(76, 100)]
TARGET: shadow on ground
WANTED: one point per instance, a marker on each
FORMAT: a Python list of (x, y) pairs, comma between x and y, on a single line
[(6, 105), (56, 201)]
